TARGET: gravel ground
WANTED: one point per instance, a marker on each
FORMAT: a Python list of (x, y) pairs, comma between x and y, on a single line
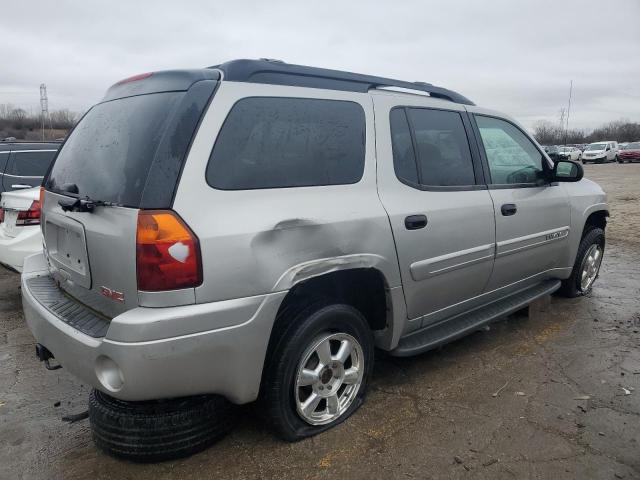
[(561, 411)]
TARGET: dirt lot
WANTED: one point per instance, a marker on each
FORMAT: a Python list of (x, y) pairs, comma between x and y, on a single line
[(561, 411)]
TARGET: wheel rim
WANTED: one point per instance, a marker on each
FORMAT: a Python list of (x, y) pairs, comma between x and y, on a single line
[(590, 266), (328, 378)]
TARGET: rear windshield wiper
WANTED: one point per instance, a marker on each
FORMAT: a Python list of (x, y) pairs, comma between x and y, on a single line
[(84, 204)]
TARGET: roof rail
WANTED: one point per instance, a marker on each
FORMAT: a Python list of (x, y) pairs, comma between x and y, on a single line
[(276, 72)]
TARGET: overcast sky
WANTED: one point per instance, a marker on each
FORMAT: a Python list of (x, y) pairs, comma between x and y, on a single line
[(517, 56)]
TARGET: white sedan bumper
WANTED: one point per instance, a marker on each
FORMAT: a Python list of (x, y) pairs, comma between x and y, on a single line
[(13, 250)]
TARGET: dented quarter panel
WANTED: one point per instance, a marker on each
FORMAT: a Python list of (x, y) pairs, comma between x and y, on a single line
[(262, 241)]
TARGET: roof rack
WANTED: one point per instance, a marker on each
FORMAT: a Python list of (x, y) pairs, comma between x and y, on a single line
[(276, 72)]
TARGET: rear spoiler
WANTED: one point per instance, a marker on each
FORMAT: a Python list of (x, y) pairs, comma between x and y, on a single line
[(154, 82)]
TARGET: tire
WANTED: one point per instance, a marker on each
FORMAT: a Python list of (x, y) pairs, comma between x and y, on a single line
[(618, 159), (294, 339), (158, 430), (572, 286)]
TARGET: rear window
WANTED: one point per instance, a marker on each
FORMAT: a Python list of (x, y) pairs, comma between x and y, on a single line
[(29, 163), (288, 142), (110, 152)]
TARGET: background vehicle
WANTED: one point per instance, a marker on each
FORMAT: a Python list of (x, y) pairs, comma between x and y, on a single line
[(20, 234), (236, 269), (23, 164), (553, 152), (629, 153), (570, 153), (600, 152)]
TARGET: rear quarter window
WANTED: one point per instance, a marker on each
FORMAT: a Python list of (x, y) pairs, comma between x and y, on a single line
[(30, 163), (274, 142)]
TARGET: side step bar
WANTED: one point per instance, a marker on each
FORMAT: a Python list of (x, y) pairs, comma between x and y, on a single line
[(452, 328)]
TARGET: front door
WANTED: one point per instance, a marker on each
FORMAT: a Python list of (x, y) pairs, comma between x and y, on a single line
[(430, 183), (532, 215)]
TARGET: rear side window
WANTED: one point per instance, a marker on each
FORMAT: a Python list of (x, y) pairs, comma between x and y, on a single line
[(432, 146), (269, 142), (29, 163)]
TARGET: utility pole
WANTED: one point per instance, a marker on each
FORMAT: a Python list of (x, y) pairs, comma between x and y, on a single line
[(566, 131), (44, 105)]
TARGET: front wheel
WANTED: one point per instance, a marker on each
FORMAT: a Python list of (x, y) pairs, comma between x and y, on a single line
[(587, 265), (317, 372)]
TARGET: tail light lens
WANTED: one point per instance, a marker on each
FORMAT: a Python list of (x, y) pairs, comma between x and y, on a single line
[(1, 215), (167, 252), (29, 217)]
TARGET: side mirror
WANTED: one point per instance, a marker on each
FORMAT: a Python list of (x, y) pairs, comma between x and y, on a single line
[(567, 171), (608, 148)]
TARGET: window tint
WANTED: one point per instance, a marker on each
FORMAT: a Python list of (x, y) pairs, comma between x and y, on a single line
[(288, 142), (512, 157), (404, 159), (443, 154), (29, 164), (110, 152)]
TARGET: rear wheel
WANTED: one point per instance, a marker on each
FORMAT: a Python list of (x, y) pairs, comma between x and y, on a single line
[(158, 430), (587, 265), (317, 373)]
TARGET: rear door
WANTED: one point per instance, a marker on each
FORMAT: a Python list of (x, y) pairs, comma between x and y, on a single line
[(532, 215), (441, 214), (26, 168), (125, 154)]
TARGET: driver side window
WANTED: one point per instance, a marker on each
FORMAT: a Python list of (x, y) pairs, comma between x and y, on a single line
[(512, 157)]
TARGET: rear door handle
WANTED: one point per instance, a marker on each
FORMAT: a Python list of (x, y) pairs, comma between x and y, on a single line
[(415, 222), (509, 209)]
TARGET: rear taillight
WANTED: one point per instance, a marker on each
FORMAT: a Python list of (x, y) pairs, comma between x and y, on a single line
[(167, 252), (29, 217), (1, 215)]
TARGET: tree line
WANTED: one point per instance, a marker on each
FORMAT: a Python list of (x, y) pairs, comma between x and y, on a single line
[(549, 133), (17, 122)]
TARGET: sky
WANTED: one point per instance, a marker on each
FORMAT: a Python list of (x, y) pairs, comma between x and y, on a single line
[(516, 56)]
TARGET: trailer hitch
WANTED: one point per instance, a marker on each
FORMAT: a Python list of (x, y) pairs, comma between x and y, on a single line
[(44, 355)]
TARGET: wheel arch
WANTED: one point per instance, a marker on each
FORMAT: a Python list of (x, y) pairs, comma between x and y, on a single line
[(595, 216)]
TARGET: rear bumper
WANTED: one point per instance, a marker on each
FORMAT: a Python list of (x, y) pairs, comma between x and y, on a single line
[(225, 356), (13, 250)]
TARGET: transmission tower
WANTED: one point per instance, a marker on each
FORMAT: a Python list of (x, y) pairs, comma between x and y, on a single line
[(44, 106)]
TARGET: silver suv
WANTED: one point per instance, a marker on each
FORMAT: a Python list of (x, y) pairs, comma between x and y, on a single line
[(254, 229)]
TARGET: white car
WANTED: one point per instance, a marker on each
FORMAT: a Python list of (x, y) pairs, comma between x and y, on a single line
[(600, 152), (20, 234), (570, 153)]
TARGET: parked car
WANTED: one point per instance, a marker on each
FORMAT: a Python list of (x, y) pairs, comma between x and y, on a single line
[(23, 164), (20, 234), (254, 229), (629, 153), (570, 153), (553, 152), (600, 152)]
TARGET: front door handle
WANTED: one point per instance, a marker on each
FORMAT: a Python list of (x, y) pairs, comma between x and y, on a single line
[(509, 209), (415, 222)]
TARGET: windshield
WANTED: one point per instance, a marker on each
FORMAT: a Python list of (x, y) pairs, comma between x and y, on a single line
[(596, 146), (632, 146), (566, 149), (109, 154)]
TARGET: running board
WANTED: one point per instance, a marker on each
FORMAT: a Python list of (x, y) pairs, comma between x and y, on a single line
[(450, 329)]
